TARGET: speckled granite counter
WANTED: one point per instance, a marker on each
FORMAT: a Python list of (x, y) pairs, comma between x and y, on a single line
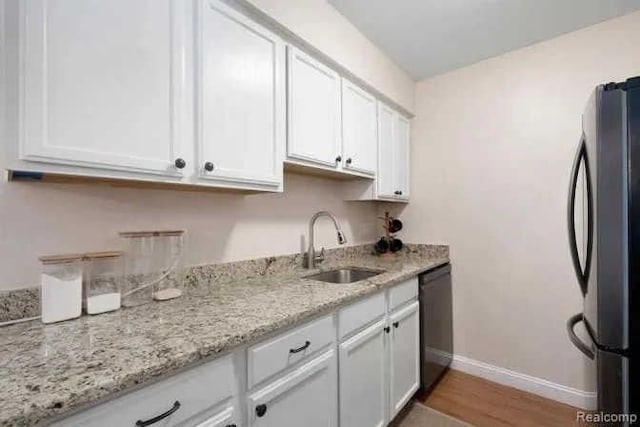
[(46, 370)]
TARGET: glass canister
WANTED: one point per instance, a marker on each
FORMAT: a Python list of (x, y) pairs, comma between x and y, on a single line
[(102, 281), (153, 266), (61, 287)]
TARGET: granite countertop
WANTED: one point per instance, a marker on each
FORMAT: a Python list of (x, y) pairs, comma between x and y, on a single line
[(47, 370)]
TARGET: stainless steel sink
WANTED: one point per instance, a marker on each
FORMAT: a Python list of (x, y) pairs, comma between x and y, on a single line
[(344, 275)]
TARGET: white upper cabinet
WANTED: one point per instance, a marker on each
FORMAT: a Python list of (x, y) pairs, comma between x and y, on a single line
[(103, 84), (314, 111), (185, 92), (359, 129), (386, 151), (241, 113), (401, 159), (393, 155)]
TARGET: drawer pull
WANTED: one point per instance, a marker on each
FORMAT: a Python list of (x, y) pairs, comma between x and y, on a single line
[(261, 410), (387, 329), (141, 423), (396, 324), (230, 425), (299, 349)]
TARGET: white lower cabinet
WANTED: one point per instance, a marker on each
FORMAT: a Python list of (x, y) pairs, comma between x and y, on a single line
[(224, 418), (380, 362), (304, 397), (298, 378), (404, 372), (185, 399), (362, 378)]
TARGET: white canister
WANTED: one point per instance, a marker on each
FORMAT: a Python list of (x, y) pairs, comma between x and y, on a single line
[(61, 287)]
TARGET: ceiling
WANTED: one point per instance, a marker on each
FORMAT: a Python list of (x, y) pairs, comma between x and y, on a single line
[(429, 37)]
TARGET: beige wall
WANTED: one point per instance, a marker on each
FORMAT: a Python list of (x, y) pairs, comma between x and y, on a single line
[(492, 147), (321, 25), (43, 218)]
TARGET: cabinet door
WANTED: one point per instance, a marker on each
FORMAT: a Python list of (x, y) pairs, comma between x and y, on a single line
[(314, 111), (305, 397), (363, 392), (103, 83), (224, 418), (242, 92), (359, 129), (404, 378), (386, 151), (401, 158)]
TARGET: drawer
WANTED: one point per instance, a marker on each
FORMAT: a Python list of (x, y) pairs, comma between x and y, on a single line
[(360, 314), (283, 351), (402, 293), (197, 390)]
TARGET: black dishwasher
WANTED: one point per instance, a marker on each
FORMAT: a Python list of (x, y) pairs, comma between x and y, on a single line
[(436, 325)]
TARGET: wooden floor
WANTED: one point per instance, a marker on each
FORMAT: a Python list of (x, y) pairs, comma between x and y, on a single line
[(484, 403)]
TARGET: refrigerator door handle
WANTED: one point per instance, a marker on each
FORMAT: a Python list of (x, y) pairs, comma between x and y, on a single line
[(580, 158), (584, 348)]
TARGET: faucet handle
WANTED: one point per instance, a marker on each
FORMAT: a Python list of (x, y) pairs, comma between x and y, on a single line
[(320, 257)]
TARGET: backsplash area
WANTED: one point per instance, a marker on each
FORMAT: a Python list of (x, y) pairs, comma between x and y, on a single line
[(44, 218), (25, 303)]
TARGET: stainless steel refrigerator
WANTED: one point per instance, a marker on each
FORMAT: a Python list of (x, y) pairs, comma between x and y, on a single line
[(607, 259)]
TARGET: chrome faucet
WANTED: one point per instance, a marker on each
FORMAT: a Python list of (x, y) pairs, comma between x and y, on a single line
[(311, 257)]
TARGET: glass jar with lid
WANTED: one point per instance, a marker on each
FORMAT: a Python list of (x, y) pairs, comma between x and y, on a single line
[(153, 266), (60, 287), (102, 281)]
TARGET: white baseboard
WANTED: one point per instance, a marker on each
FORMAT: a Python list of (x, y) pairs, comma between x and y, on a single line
[(571, 396)]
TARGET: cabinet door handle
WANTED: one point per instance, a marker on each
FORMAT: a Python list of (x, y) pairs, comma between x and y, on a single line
[(338, 159), (387, 329), (349, 160), (299, 349), (396, 324), (261, 410), (180, 163), (144, 423), (209, 166), (230, 425), (397, 192)]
